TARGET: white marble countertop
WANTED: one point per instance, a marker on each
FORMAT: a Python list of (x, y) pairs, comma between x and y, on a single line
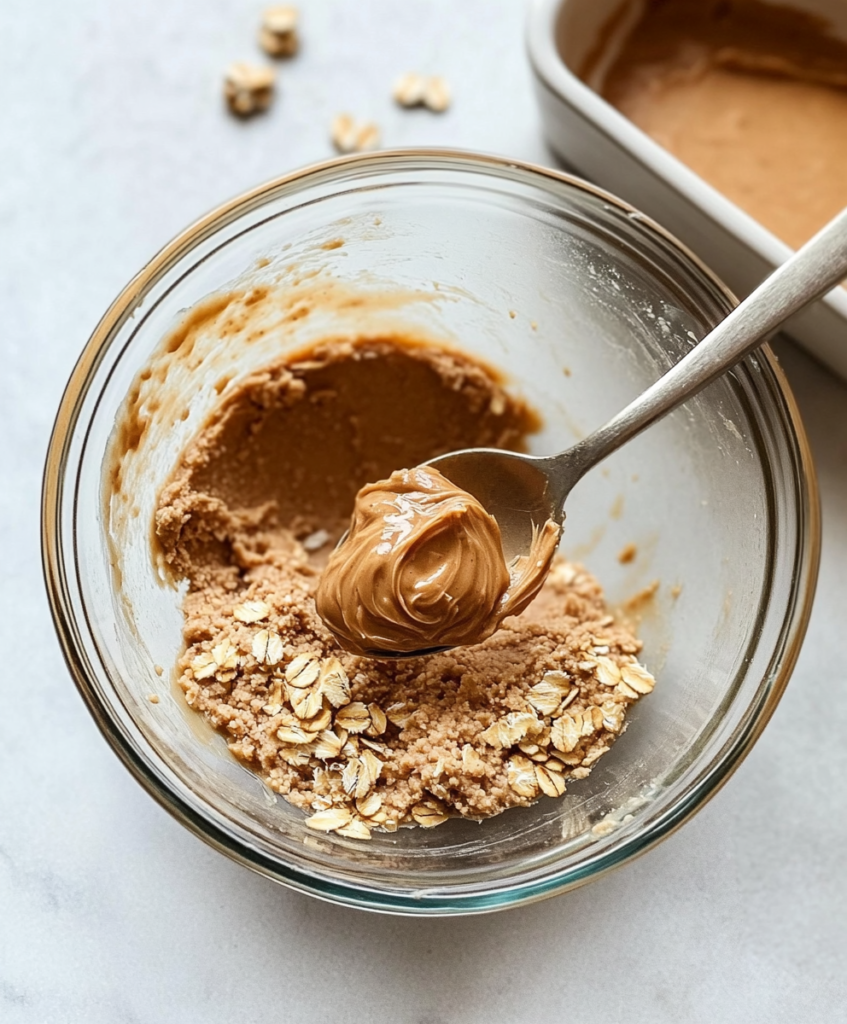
[(112, 138)]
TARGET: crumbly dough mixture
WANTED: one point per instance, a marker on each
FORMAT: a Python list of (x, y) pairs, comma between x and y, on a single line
[(752, 96), (249, 516)]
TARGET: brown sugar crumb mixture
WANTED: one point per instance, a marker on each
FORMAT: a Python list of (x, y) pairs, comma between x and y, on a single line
[(250, 513)]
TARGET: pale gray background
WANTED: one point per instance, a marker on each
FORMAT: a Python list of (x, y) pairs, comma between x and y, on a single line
[(112, 138)]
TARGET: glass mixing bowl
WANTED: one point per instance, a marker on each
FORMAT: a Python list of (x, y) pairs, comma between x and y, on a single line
[(581, 302)]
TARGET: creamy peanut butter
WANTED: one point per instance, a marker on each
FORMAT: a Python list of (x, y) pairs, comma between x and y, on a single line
[(752, 96), (422, 567)]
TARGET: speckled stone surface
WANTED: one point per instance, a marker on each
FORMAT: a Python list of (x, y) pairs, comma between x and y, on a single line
[(112, 138)]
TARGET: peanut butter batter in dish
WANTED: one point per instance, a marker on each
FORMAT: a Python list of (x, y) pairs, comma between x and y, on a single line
[(751, 96), (423, 568), (248, 517)]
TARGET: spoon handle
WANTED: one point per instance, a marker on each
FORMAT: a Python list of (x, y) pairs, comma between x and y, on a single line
[(804, 277)]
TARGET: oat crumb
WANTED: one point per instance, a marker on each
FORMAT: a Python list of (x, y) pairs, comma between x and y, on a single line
[(248, 88), (278, 32), (315, 541), (352, 136), (627, 554), (431, 91)]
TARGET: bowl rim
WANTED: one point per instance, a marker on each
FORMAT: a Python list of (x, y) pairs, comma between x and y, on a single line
[(157, 778)]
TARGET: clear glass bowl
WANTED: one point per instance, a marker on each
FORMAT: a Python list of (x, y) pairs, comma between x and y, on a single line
[(719, 498)]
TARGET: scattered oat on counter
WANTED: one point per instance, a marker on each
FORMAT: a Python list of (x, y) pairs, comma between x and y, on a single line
[(153, 698), (248, 88), (278, 32), (414, 90), (352, 136)]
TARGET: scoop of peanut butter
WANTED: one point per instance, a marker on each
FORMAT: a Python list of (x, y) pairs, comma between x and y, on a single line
[(422, 568)]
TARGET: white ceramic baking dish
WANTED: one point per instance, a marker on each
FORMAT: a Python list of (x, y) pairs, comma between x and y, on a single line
[(592, 138)]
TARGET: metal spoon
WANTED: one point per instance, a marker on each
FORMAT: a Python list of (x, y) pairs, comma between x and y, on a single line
[(522, 491)]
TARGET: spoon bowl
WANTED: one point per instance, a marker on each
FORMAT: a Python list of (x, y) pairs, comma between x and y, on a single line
[(521, 491)]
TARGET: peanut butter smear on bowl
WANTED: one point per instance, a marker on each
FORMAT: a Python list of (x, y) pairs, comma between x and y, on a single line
[(422, 568), (247, 520)]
